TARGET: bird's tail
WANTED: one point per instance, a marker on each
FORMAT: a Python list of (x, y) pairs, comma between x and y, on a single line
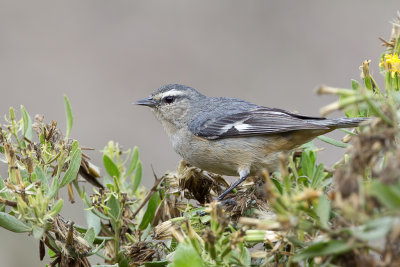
[(342, 122)]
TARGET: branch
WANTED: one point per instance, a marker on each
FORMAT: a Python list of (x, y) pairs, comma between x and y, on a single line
[(149, 194)]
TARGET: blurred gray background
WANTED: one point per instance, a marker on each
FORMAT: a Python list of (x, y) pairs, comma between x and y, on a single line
[(106, 54)]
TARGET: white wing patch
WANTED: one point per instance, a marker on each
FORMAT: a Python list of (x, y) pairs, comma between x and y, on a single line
[(240, 126)]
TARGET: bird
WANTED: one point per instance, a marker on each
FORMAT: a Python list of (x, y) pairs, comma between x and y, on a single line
[(230, 136)]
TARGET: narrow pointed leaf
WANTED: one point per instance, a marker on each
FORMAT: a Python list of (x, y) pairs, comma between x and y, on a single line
[(387, 195), (57, 208), (27, 123), (137, 178), (110, 166), (42, 177), (114, 206), (37, 232), (69, 117), (331, 247), (323, 210), (73, 168), (150, 211), (13, 224), (332, 141), (134, 161), (90, 235), (93, 221)]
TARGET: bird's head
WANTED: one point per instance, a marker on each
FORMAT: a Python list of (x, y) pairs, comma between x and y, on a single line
[(172, 103)]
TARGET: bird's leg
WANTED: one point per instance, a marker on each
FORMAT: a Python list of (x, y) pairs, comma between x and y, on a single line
[(243, 175)]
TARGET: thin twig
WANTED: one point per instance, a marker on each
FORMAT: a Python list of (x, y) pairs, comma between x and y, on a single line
[(8, 202), (149, 194)]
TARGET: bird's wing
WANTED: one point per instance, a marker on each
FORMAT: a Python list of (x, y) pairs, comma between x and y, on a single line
[(256, 121)]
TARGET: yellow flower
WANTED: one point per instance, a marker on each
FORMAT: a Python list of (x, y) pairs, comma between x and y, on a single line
[(391, 64)]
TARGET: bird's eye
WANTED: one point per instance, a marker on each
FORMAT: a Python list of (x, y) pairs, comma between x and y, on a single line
[(169, 99)]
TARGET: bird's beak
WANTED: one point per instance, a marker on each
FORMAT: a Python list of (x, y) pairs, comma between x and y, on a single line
[(146, 102)]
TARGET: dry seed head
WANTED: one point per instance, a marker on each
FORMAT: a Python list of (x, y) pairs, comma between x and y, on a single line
[(365, 68), (329, 108), (10, 154), (326, 90), (308, 194), (71, 196), (178, 235), (18, 177), (272, 236), (39, 117), (237, 238), (28, 164), (163, 230), (208, 236), (396, 27)]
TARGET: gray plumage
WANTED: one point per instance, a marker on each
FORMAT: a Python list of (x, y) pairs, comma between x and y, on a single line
[(231, 136)]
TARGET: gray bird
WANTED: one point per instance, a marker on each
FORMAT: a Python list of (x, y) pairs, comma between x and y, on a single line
[(230, 136)]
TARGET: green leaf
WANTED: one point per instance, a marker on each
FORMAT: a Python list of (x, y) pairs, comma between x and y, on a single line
[(93, 221), (375, 229), (318, 176), (13, 224), (42, 177), (27, 123), (114, 206), (134, 161), (3, 185), (355, 85), (55, 186), (150, 211), (2, 149), (245, 255), (68, 114), (74, 147), (277, 184), (332, 141), (347, 131), (156, 263), (110, 166), (323, 210), (56, 208), (186, 256), (123, 261), (307, 163), (368, 83), (90, 235), (331, 247), (146, 232), (387, 195), (308, 146), (73, 168), (37, 232), (137, 178), (51, 253)]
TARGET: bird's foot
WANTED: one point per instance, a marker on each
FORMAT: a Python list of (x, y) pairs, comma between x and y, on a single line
[(226, 202)]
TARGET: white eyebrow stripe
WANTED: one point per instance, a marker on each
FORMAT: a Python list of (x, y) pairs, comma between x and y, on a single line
[(172, 92)]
